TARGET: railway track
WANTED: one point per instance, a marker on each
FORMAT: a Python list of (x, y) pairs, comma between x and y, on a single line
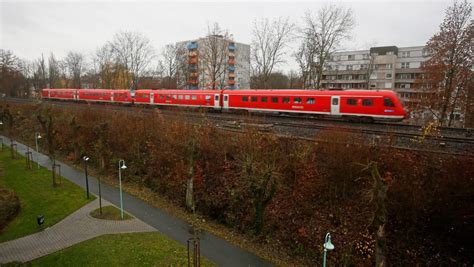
[(443, 140)]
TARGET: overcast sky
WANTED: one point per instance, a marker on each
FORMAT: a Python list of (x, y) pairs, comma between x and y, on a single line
[(30, 28)]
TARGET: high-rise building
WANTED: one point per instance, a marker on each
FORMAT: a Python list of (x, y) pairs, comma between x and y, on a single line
[(214, 62)]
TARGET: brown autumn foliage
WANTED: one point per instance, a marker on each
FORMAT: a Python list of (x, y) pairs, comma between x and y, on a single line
[(319, 186), (448, 72)]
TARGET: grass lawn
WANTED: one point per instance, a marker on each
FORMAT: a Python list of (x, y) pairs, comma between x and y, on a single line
[(110, 213), (135, 249), (37, 196)]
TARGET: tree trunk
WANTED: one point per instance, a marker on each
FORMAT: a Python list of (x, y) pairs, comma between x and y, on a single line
[(190, 188), (259, 208)]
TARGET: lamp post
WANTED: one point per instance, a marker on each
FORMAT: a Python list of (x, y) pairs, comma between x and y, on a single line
[(121, 166), (86, 159), (37, 136), (327, 246), (100, 197)]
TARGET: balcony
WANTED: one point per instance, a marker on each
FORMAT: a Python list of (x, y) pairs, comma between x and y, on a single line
[(192, 45), (193, 60), (193, 53), (232, 75), (231, 68), (193, 81), (194, 74), (231, 82), (231, 54), (231, 61), (232, 47)]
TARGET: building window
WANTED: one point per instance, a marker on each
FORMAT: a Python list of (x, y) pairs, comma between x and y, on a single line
[(274, 99), (406, 54), (388, 76), (286, 100), (389, 66), (390, 53), (425, 52), (349, 67), (350, 57), (405, 65), (367, 102), (297, 100), (352, 102), (365, 56), (363, 66)]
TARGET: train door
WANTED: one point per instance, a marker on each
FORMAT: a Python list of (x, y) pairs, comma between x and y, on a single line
[(216, 101), (112, 97), (226, 101), (74, 95), (335, 105), (152, 98)]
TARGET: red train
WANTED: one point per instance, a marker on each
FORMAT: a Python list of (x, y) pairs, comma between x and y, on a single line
[(365, 105)]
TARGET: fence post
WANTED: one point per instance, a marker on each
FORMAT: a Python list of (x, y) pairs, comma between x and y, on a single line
[(196, 246)]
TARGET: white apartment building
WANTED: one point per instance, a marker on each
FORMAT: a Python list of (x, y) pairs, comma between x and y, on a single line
[(236, 66), (387, 67)]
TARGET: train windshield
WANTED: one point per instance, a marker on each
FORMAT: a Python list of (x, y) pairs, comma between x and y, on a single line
[(387, 102)]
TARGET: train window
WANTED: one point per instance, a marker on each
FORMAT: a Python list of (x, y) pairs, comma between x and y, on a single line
[(187, 97), (274, 99), (175, 96), (216, 98), (387, 102), (162, 97), (335, 101), (351, 102), (310, 100), (297, 100), (245, 99), (180, 97), (194, 97), (367, 102), (264, 99), (225, 97), (254, 99), (168, 97), (286, 100), (208, 98)]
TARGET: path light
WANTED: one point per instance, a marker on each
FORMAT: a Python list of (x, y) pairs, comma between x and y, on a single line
[(86, 159), (37, 136), (327, 246), (122, 166), (40, 220)]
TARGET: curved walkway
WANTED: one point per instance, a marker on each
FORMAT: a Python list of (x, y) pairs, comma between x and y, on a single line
[(75, 228), (212, 247)]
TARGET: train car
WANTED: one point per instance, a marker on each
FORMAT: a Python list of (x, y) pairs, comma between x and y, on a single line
[(121, 96), (351, 104), (183, 98), (59, 94)]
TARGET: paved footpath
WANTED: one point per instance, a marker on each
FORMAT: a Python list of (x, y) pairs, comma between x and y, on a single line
[(75, 228), (212, 247)]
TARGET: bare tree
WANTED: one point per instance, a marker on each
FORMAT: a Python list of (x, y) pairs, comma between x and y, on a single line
[(168, 64), (40, 78), (133, 51), (75, 65), (323, 33), (213, 55), (53, 70), (270, 39)]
